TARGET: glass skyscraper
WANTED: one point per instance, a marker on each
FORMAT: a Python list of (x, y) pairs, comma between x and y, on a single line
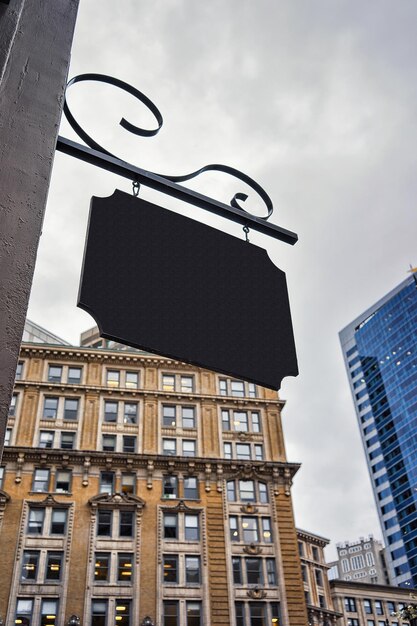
[(380, 351)]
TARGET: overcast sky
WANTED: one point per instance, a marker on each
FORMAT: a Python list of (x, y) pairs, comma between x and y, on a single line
[(316, 100)]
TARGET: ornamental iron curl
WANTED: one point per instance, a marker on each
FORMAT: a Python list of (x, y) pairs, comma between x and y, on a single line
[(226, 169)]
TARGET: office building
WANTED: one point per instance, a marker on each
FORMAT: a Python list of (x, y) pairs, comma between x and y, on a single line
[(380, 351), (362, 560), (139, 490)]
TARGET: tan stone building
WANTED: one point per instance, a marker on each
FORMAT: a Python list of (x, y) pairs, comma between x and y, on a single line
[(133, 485)]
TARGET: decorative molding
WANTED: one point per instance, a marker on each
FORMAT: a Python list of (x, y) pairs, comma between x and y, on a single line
[(149, 474), (219, 474), (208, 476), (86, 471), (252, 549), (256, 593), (181, 507), (249, 508), (116, 500), (49, 500), (20, 462)]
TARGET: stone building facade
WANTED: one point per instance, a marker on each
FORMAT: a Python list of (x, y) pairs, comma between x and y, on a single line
[(362, 560), (135, 487)]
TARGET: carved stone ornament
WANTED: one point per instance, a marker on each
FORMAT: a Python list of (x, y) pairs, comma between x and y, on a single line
[(243, 436), (256, 593), (181, 507), (249, 508), (147, 621), (116, 500), (252, 548)]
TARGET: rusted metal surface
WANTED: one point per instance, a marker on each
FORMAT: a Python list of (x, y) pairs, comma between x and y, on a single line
[(35, 46)]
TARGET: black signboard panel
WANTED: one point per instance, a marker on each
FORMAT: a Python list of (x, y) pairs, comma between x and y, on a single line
[(159, 281)]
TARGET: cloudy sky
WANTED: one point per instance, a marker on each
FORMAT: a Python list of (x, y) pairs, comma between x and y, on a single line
[(317, 101)]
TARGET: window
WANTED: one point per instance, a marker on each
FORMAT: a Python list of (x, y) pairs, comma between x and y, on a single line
[(128, 483), (188, 447), (46, 438), (126, 524), (237, 570), (271, 573), (367, 605), (12, 407), (234, 529), (257, 614), (30, 565), (353, 621), (170, 565), (301, 548), (191, 527), (193, 613), (71, 408), (322, 602), (63, 481), (129, 443), (24, 608), (19, 371), (241, 421), (350, 605), (110, 411), (225, 420), (58, 521), (1, 477), (236, 388), (130, 413), (319, 577), (169, 446), (124, 568), (50, 408), (7, 436), (390, 607), (41, 480), (106, 482), (67, 440), (53, 566), (266, 530), (316, 554), (170, 487), (345, 565), (170, 526), (113, 378), (250, 529), (227, 450), (263, 493), (254, 571), (49, 611), (259, 452), (98, 613), (190, 488), (168, 382), (170, 617), (132, 380), (240, 613), (102, 567), (192, 570), (109, 443), (104, 523), (174, 415), (55, 373), (256, 423), (176, 382), (186, 384), (249, 491), (378, 607), (169, 415), (243, 451), (357, 562), (74, 375)]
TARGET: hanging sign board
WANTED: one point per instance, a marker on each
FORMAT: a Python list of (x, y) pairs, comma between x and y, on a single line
[(159, 281)]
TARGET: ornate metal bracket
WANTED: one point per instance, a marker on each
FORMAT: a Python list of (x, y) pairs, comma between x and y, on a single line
[(168, 184)]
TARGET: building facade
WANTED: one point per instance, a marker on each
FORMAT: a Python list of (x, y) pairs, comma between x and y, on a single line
[(136, 489), (362, 604), (362, 560), (380, 352)]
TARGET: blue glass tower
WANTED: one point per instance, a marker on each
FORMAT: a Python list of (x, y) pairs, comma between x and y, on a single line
[(380, 351)]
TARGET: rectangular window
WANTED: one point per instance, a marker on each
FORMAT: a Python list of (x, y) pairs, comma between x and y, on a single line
[(191, 527), (223, 387), (104, 523), (169, 418), (194, 617), (106, 482), (126, 524), (132, 380), (186, 384), (58, 521), (1, 477), (7, 436), (74, 375), (240, 421), (170, 613), (231, 491), (53, 566), (170, 487), (237, 570), (125, 568), (257, 614), (233, 528), (237, 388), (55, 373), (113, 378), (110, 411), (319, 577), (67, 440), (240, 613), (30, 565), (46, 438), (192, 570), (350, 605), (41, 480), (99, 613), (188, 447), (247, 490), (266, 530), (322, 602), (243, 451), (254, 571), (170, 565), (50, 408), (168, 382), (109, 443), (128, 483), (130, 415), (225, 420), (170, 526), (19, 371), (169, 447), (188, 416), (252, 390), (379, 610), (71, 408), (250, 529), (256, 423), (102, 566), (271, 572), (259, 452), (12, 407), (367, 604), (227, 450), (190, 488), (391, 607), (263, 493), (49, 612), (24, 610), (63, 481), (129, 443)]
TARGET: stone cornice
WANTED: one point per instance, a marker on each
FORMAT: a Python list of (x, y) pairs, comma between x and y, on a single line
[(311, 538)]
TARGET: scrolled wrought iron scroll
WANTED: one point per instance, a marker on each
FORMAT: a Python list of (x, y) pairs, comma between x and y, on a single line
[(226, 169)]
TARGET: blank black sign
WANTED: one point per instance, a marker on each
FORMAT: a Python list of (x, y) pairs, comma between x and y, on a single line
[(156, 280)]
